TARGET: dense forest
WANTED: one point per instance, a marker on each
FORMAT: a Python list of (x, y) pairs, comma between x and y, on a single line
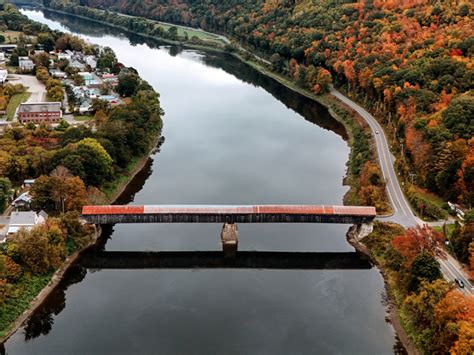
[(409, 61)]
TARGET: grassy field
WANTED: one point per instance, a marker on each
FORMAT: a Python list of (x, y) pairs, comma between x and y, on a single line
[(12, 36), (15, 101), (111, 188), (202, 35)]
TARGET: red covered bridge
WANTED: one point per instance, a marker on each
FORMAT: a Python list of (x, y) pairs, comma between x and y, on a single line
[(228, 214)]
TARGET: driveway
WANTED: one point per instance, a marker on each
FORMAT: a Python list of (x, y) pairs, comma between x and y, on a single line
[(34, 86)]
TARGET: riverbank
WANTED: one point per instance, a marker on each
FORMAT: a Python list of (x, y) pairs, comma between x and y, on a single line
[(57, 276)]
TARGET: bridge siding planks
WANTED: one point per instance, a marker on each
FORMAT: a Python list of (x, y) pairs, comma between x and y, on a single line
[(229, 214)]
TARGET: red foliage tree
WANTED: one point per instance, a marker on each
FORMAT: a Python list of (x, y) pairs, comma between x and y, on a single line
[(418, 240)]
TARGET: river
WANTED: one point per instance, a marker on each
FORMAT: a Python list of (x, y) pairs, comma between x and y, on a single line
[(233, 136)]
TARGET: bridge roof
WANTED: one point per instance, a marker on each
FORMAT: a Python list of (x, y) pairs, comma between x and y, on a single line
[(228, 209)]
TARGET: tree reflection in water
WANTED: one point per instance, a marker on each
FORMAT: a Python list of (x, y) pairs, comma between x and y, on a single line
[(41, 322)]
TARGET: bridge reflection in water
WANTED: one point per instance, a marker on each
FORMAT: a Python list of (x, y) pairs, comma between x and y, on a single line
[(217, 260)]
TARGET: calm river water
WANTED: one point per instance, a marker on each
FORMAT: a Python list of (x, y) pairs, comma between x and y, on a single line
[(232, 137)]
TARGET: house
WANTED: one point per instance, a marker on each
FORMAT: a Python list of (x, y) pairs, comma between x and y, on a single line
[(25, 63), (26, 220), (28, 183), (40, 112), (85, 106), (91, 61), (64, 55), (3, 76), (58, 74), (110, 99), (22, 202), (7, 48), (75, 64), (87, 77)]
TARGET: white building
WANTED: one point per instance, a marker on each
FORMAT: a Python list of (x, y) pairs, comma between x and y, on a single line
[(25, 63), (58, 74), (25, 220), (3, 76), (64, 55), (91, 61), (23, 201)]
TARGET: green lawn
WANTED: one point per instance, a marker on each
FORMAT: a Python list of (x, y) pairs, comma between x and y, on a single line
[(204, 36), (111, 188), (15, 101)]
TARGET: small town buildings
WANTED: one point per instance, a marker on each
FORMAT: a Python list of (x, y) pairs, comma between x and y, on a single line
[(87, 77), (75, 64), (7, 48), (25, 220), (22, 202), (58, 74), (25, 63), (65, 55), (28, 183), (40, 112), (3, 76), (91, 61), (110, 99)]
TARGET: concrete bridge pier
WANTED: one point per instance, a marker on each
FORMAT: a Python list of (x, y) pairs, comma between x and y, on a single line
[(230, 240)]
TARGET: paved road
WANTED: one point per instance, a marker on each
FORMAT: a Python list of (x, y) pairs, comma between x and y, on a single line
[(35, 87), (403, 213)]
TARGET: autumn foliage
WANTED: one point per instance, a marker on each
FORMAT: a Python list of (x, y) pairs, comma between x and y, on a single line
[(418, 240), (409, 61), (437, 317)]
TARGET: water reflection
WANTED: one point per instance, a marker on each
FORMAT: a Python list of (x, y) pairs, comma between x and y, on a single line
[(217, 260), (42, 321)]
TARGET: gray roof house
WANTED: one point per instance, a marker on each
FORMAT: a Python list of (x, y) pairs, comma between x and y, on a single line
[(25, 220)]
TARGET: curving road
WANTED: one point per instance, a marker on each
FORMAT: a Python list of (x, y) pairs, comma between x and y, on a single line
[(403, 213)]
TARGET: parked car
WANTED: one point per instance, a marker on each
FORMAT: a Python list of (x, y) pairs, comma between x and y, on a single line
[(459, 282)]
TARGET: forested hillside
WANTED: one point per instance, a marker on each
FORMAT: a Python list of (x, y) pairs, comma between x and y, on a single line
[(409, 61)]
